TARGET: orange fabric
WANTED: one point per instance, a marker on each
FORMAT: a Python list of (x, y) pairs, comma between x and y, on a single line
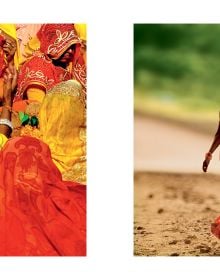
[(35, 94), (1, 88), (19, 106), (3, 63), (40, 215)]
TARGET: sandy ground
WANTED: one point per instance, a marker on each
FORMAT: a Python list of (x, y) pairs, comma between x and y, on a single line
[(174, 202)]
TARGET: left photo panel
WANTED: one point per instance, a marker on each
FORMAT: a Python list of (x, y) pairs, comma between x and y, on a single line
[(43, 139)]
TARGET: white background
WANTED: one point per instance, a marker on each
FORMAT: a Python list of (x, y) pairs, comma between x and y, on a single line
[(110, 139)]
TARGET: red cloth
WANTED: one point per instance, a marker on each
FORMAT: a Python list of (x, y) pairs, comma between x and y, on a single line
[(39, 71), (215, 227), (2, 58), (40, 215), (80, 72), (55, 39)]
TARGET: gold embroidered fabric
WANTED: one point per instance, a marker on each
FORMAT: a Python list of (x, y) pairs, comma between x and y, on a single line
[(62, 120)]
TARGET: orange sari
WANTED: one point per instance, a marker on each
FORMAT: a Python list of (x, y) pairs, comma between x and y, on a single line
[(40, 215)]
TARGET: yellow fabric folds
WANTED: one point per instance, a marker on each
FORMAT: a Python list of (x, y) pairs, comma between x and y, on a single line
[(81, 31), (32, 45), (62, 126), (3, 140), (35, 94), (10, 29)]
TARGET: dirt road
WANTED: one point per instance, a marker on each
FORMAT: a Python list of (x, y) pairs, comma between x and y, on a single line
[(174, 202), (164, 146)]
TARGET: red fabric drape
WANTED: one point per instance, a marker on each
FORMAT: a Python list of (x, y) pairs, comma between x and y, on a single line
[(40, 215)]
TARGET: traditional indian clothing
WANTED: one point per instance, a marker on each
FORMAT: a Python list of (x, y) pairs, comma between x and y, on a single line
[(66, 139), (40, 214), (62, 125), (3, 62), (79, 69), (10, 30), (39, 71)]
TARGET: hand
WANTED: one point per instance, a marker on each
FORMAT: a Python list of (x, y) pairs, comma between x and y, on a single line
[(205, 165), (14, 73), (9, 47), (7, 86), (208, 157)]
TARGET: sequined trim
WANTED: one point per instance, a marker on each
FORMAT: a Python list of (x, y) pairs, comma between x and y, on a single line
[(70, 87)]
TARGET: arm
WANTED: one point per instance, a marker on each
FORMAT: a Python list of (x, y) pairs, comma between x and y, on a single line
[(214, 146), (10, 78)]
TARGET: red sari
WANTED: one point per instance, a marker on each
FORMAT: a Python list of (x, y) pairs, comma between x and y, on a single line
[(80, 72), (40, 215), (2, 57), (39, 71)]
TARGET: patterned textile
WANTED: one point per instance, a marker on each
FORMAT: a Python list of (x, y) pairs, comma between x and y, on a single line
[(55, 39), (40, 215), (2, 57), (62, 120), (39, 70)]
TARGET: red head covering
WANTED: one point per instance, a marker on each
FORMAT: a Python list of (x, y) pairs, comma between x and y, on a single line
[(55, 39), (2, 57)]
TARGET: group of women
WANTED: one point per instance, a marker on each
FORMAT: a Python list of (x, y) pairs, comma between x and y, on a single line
[(43, 140)]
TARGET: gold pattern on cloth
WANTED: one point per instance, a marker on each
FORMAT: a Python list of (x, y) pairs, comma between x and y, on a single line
[(62, 125), (62, 120), (78, 171), (62, 39), (38, 75)]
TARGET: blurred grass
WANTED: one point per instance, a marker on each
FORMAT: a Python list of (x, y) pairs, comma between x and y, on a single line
[(176, 72)]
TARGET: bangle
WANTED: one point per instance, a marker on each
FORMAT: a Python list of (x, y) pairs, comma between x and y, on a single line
[(6, 122), (208, 156)]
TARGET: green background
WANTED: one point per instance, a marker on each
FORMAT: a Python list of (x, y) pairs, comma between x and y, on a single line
[(177, 72)]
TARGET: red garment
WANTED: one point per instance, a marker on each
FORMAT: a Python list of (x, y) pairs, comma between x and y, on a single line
[(39, 71), (80, 72), (40, 215), (55, 39), (2, 57), (215, 227)]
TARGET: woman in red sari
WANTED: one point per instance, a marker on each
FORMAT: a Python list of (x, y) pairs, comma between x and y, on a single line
[(49, 65), (215, 227), (40, 214)]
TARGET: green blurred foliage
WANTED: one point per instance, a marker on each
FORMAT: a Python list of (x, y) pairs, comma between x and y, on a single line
[(178, 60)]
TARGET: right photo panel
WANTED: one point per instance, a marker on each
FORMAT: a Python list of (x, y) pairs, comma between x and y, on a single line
[(176, 139)]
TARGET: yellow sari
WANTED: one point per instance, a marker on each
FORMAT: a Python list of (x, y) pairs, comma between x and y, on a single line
[(3, 140), (62, 121)]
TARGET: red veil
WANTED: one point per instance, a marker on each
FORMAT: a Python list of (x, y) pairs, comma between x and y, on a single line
[(40, 215), (39, 70)]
